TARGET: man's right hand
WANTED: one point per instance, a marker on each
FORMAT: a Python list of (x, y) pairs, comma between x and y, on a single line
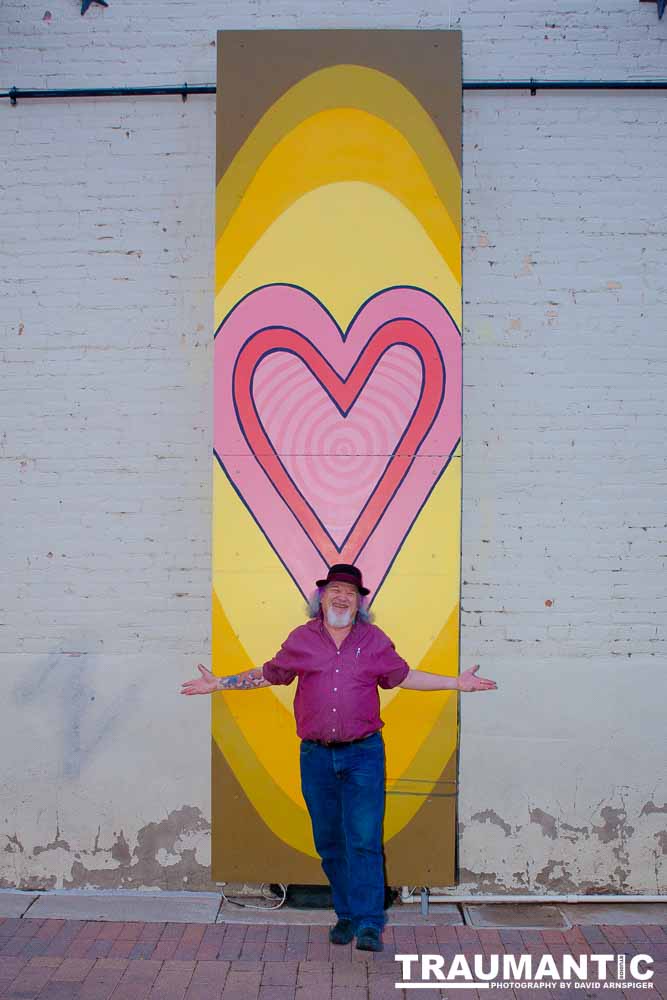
[(206, 684)]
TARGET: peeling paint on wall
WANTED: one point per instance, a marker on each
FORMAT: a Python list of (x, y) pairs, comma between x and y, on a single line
[(571, 833), (160, 858), (483, 881), (561, 856), (614, 827), (545, 821), (649, 808), (489, 816), (164, 856), (56, 843), (13, 844), (556, 878), (30, 882)]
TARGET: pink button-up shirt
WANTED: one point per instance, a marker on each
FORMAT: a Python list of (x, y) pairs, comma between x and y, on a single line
[(337, 691)]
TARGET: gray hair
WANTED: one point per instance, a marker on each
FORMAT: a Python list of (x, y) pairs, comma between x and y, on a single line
[(315, 603)]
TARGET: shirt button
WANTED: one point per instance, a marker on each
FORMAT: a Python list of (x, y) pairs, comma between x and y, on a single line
[(334, 709), (335, 689), (333, 730), (336, 671), (338, 653)]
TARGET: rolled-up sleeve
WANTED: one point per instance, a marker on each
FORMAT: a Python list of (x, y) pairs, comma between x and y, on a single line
[(281, 668), (393, 668)]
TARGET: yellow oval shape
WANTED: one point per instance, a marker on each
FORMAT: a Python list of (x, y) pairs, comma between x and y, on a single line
[(361, 213)]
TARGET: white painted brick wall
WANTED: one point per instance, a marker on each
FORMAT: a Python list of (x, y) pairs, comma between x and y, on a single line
[(105, 432)]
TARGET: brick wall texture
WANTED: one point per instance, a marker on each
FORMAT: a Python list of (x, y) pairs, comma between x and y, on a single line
[(105, 436)]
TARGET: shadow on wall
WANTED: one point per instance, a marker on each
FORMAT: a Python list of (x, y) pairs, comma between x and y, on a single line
[(63, 686)]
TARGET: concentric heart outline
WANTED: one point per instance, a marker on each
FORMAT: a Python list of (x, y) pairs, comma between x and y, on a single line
[(282, 340), (292, 309)]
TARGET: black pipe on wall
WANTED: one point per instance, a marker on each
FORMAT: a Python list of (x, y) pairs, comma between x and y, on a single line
[(185, 90)]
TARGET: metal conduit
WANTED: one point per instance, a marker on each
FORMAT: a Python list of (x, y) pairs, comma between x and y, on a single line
[(185, 90), (423, 897)]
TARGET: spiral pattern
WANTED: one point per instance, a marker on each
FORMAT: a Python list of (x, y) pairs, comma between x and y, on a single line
[(336, 461)]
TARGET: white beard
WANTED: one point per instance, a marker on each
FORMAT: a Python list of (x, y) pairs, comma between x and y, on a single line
[(339, 619)]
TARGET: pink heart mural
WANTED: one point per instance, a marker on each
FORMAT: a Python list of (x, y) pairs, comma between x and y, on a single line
[(334, 441)]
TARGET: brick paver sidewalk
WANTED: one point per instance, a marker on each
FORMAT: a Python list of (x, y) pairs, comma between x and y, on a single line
[(97, 960)]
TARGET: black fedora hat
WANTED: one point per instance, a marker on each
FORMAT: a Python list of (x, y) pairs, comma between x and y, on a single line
[(345, 574)]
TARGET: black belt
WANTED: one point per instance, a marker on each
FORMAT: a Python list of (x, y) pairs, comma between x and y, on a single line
[(332, 744)]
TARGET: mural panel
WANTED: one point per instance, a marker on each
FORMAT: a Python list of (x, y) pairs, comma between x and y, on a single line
[(337, 413)]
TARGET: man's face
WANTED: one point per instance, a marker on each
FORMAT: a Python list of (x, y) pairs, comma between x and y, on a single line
[(340, 602)]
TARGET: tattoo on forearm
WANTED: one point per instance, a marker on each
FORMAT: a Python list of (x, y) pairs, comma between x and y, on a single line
[(239, 682)]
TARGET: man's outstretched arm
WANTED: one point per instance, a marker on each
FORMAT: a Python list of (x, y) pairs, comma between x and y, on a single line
[(208, 683), (422, 680)]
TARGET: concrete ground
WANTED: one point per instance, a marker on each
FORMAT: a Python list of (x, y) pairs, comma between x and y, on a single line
[(186, 946)]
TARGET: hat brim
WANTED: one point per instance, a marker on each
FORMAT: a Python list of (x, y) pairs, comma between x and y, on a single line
[(364, 591)]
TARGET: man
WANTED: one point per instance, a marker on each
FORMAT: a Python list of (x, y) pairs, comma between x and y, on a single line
[(340, 660)]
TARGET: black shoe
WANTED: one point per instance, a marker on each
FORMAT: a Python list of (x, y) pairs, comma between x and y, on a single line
[(369, 939), (342, 933)]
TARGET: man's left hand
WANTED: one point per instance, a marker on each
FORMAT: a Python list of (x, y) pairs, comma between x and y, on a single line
[(469, 682)]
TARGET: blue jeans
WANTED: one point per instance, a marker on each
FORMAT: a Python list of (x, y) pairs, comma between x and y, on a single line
[(344, 789)]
